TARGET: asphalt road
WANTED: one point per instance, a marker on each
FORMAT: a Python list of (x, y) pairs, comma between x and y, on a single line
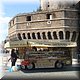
[(67, 73)]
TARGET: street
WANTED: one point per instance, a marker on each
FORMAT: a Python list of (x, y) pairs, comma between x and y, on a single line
[(67, 73)]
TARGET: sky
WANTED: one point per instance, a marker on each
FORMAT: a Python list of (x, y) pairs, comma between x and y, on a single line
[(10, 8)]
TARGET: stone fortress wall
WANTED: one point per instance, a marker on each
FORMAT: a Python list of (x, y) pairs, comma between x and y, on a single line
[(58, 23)]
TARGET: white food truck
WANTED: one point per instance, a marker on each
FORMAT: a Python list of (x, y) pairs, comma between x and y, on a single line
[(44, 54)]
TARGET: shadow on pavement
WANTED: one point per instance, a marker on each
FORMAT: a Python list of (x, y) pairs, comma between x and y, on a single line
[(67, 68)]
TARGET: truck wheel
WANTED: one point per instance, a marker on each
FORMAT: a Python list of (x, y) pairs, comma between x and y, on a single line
[(23, 67), (58, 64), (30, 66)]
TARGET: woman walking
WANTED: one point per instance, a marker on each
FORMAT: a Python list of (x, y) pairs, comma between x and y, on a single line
[(13, 57)]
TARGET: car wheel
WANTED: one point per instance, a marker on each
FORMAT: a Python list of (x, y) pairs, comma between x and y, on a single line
[(30, 66), (58, 64), (23, 67)]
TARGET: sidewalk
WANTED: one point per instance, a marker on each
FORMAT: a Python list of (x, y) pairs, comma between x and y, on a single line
[(3, 64), (1, 70), (75, 61)]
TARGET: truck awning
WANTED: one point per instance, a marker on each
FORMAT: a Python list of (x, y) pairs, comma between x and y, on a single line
[(31, 43)]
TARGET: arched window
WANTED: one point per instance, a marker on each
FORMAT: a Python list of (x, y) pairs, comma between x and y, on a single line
[(67, 35), (38, 35), (73, 36), (24, 37), (78, 41), (61, 35), (33, 36), (78, 38), (19, 36), (43, 35), (49, 35), (55, 35), (28, 35)]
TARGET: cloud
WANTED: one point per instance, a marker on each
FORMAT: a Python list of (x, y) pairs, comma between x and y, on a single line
[(3, 27), (1, 8), (3, 23), (4, 20)]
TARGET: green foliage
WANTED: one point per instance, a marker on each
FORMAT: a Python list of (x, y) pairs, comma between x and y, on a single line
[(39, 9)]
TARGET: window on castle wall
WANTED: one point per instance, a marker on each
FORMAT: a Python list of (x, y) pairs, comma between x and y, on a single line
[(49, 16), (38, 35), (28, 35), (13, 22), (73, 36), (49, 35), (55, 35), (28, 18), (67, 35), (33, 36), (19, 36), (61, 35), (48, 5), (78, 40), (10, 24), (78, 36), (24, 37), (43, 35)]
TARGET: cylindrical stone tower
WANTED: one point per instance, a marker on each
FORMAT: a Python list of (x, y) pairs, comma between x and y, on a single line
[(55, 4)]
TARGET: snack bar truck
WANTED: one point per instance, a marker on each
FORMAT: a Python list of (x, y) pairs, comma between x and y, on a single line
[(39, 54)]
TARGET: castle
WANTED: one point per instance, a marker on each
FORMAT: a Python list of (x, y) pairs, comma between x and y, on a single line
[(55, 21)]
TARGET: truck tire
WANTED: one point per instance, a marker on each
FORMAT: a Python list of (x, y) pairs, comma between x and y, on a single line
[(23, 67), (59, 64), (30, 66)]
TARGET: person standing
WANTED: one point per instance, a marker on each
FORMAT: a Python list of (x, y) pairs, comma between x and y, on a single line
[(13, 57)]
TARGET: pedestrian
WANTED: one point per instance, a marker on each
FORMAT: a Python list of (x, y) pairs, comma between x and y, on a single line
[(13, 57)]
